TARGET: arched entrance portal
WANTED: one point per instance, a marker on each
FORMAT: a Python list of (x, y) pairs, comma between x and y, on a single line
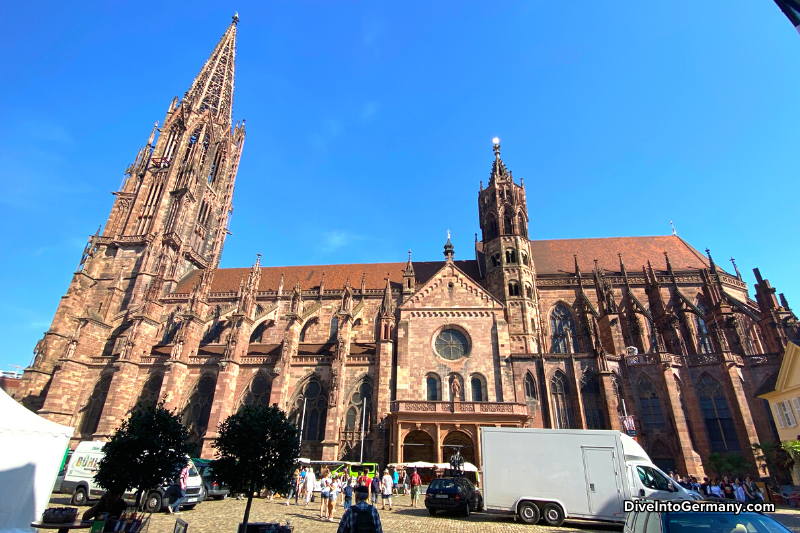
[(418, 446), (458, 440)]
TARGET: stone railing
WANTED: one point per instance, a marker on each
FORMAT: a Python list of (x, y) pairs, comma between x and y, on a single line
[(702, 359), (411, 406), (642, 359)]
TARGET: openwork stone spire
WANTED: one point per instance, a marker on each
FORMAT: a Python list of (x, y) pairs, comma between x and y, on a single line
[(213, 88)]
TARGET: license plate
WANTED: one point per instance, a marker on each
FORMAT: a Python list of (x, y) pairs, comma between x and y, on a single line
[(442, 496), (191, 500)]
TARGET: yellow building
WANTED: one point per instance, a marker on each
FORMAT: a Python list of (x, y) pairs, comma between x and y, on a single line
[(782, 391)]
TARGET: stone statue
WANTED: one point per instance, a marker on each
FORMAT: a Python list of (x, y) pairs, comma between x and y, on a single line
[(455, 388), (347, 302), (296, 301)]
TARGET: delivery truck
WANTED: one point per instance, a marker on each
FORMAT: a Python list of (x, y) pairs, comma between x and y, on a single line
[(555, 474)]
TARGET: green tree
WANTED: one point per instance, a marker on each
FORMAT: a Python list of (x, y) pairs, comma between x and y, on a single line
[(716, 462), (256, 448), (792, 447), (773, 458), (146, 452), (737, 465)]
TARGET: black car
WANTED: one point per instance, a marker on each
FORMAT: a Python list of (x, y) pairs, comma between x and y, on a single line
[(211, 488), (453, 494)]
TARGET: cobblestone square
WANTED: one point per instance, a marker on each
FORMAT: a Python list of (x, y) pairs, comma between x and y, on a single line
[(223, 517)]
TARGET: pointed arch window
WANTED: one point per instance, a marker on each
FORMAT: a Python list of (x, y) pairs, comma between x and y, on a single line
[(508, 227), (513, 288), (650, 404), (334, 332), (717, 416), (94, 406), (433, 390), (703, 338), (257, 393), (562, 401), (593, 405), (360, 409), (491, 228), (561, 323), (523, 227), (530, 387), (197, 411), (310, 411), (150, 391)]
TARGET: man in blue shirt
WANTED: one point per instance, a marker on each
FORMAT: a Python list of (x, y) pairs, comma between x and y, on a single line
[(361, 517)]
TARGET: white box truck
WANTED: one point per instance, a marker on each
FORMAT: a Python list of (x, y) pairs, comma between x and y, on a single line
[(555, 474)]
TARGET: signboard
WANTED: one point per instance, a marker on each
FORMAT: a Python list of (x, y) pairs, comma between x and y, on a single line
[(629, 425)]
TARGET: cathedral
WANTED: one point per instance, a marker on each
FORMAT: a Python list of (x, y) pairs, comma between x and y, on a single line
[(398, 362)]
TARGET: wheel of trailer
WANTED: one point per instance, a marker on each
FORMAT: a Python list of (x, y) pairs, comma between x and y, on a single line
[(553, 514), (79, 498), (432, 511), (528, 512)]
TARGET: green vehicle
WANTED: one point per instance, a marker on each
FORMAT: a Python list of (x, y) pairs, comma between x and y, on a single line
[(355, 469)]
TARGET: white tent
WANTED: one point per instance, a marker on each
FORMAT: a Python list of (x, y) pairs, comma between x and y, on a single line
[(31, 451)]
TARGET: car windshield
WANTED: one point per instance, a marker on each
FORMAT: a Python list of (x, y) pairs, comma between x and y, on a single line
[(722, 523), (193, 471), (437, 484)]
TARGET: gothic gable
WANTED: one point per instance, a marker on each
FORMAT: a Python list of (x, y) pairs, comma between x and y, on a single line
[(450, 287)]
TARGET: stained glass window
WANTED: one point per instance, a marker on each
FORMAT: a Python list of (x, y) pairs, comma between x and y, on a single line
[(650, 404), (530, 387), (94, 407), (150, 391), (560, 322), (197, 410), (593, 405), (258, 392), (451, 344), (717, 416), (432, 384), (562, 402)]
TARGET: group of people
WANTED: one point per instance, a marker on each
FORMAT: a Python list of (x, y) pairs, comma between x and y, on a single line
[(336, 485), (742, 491)]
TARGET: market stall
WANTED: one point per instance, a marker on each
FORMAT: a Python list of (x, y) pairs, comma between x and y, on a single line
[(32, 450)]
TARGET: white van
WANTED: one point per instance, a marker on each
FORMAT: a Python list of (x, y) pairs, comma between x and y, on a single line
[(555, 474), (79, 480)]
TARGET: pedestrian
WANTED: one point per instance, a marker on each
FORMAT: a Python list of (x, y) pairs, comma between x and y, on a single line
[(325, 492), (336, 487), (364, 481), (727, 488), (294, 488), (751, 490), (705, 486), (183, 480), (716, 490), (387, 487), (416, 483), (348, 495), (310, 479), (361, 517), (695, 484), (395, 481), (741, 496), (684, 482), (375, 488)]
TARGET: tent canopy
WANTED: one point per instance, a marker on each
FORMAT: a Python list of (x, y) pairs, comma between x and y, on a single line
[(33, 449)]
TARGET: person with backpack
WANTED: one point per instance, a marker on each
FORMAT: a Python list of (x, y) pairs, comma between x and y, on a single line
[(361, 517), (375, 488), (416, 483)]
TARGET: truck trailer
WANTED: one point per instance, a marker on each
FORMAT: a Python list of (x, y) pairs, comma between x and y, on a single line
[(555, 474)]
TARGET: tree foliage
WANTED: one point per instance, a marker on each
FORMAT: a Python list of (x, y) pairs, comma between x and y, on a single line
[(728, 464), (147, 451), (256, 448), (774, 459)]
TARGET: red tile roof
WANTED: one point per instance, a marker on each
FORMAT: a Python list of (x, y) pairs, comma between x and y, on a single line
[(557, 256), (549, 256)]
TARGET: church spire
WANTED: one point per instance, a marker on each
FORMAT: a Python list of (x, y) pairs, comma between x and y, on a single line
[(213, 88)]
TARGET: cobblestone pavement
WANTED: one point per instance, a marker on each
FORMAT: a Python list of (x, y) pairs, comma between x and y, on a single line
[(223, 517)]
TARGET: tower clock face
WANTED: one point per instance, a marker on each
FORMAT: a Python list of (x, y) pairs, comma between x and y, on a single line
[(452, 344)]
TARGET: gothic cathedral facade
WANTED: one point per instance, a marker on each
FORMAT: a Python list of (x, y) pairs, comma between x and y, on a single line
[(397, 362)]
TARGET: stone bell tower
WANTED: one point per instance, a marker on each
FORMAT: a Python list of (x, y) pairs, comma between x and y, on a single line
[(510, 272)]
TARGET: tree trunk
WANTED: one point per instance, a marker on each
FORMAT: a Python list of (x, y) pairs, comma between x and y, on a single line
[(247, 509)]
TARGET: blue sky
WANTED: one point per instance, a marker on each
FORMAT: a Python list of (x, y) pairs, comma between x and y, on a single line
[(370, 124)]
